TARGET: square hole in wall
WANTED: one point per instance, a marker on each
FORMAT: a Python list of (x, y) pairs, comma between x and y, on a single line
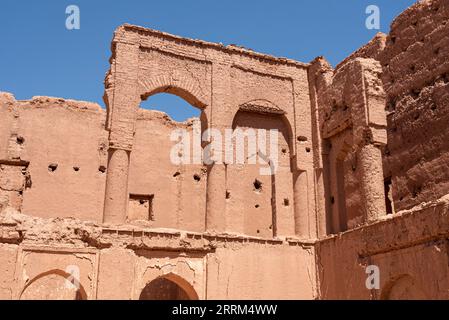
[(140, 207)]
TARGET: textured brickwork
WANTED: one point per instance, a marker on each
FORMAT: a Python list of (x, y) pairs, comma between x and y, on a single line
[(416, 80), (409, 246), (93, 207)]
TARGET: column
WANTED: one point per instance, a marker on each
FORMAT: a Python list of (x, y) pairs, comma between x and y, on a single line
[(300, 189), (116, 196), (122, 99), (220, 119), (216, 198), (372, 181)]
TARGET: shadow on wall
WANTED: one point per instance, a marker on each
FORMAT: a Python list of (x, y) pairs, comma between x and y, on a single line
[(169, 287), (259, 205)]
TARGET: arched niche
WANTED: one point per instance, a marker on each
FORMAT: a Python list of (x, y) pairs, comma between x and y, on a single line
[(53, 285), (261, 204), (168, 287)]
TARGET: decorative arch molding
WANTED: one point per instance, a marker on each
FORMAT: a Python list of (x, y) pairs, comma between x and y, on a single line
[(180, 282), (181, 86), (145, 62), (266, 107), (277, 119), (57, 272)]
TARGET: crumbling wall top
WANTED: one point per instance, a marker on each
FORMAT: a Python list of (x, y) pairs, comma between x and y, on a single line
[(128, 32)]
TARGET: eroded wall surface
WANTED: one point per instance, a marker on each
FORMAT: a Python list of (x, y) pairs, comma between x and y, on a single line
[(45, 258), (56, 155), (415, 78), (54, 162), (410, 251), (409, 245), (361, 179)]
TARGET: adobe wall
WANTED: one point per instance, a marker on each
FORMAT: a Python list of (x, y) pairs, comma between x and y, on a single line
[(75, 187), (57, 156), (64, 135), (225, 83), (53, 189), (361, 178), (410, 245), (410, 250), (117, 263), (415, 78), (178, 191), (65, 177), (414, 75)]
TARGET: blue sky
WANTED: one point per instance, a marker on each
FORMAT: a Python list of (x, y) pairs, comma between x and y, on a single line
[(39, 56)]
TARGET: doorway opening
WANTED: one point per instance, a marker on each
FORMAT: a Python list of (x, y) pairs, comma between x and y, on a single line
[(166, 289)]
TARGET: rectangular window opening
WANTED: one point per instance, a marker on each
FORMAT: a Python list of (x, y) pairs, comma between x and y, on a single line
[(141, 207)]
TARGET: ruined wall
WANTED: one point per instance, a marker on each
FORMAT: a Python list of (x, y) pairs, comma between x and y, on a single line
[(414, 74), (351, 125), (410, 250), (64, 144), (41, 257), (253, 199), (54, 162), (409, 246), (68, 158), (415, 77), (414, 66), (177, 192), (225, 231), (220, 81), (66, 174), (61, 213)]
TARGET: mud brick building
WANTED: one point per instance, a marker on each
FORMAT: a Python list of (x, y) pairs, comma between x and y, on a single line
[(90, 196)]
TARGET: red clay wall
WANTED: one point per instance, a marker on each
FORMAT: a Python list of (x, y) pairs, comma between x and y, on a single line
[(76, 187), (411, 251), (409, 247), (76, 184), (415, 77), (118, 263)]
